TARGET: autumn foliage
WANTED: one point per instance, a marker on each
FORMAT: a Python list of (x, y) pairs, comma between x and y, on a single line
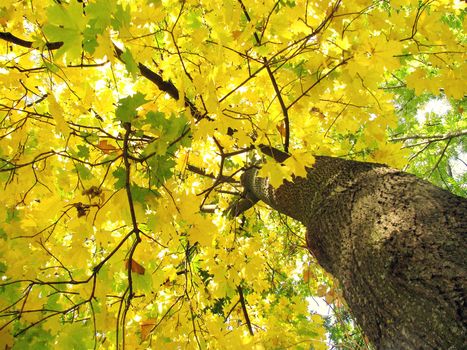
[(125, 127)]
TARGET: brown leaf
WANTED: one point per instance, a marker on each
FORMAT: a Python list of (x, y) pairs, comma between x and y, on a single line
[(318, 111), (281, 128), (236, 34), (322, 289), (135, 267), (81, 208), (92, 192), (330, 296), (105, 147), (146, 328), (306, 274)]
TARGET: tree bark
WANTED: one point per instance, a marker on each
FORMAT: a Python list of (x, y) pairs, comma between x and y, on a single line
[(396, 243)]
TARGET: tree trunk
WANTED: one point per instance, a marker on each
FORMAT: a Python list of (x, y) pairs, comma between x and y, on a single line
[(396, 244)]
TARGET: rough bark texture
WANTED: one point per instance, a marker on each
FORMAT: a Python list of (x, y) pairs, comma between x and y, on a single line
[(396, 243)]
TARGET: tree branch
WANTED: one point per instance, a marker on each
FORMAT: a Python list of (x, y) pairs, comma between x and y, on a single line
[(437, 137), (163, 85), (274, 84), (276, 154), (284, 109), (25, 43), (135, 230), (245, 312), (126, 160)]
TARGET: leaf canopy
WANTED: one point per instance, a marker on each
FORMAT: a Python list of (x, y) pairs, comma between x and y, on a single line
[(125, 127)]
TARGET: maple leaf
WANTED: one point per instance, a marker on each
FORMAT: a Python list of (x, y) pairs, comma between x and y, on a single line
[(66, 24), (126, 109), (57, 113), (146, 327), (125, 129), (274, 172), (135, 267), (105, 147)]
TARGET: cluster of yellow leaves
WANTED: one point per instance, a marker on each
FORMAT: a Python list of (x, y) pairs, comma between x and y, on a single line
[(295, 165), (64, 179)]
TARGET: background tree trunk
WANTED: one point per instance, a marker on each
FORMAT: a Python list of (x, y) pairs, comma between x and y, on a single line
[(396, 244)]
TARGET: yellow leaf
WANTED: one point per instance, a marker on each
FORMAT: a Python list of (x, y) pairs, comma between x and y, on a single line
[(203, 230), (391, 154), (105, 48), (274, 172), (398, 3), (57, 113), (343, 43), (6, 337), (298, 162)]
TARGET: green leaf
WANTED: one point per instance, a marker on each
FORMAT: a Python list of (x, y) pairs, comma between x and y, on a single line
[(90, 41), (83, 152), (157, 120), (161, 168), (3, 234), (143, 283), (130, 63), (99, 12), (67, 15), (70, 38), (120, 175), (75, 336), (194, 20), (90, 137), (66, 23), (51, 67), (10, 293), (52, 302), (158, 147), (83, 172), (122, 17), (12, 215), (127, 106), (3, 267), (140, 194), (35, 338), (178, 124), (169, 130)]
